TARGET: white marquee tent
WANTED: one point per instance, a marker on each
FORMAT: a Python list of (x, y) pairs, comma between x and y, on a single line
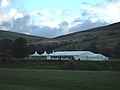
[(76, 55), (72, 55)]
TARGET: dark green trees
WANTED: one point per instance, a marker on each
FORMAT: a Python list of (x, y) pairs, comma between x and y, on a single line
[(40, 49), (92, 47), (48, 49), (17, 48), (20, 48), (116, 50), (31, 49), (6, 48)]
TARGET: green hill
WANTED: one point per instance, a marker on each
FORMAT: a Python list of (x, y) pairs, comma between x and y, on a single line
[(14, 35), (106, 36)]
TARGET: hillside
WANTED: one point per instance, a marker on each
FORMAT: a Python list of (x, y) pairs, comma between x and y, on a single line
[(14, 35), (112, 29), (105, 37)]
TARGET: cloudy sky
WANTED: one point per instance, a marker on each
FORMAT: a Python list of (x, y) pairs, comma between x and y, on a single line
[(50, 18)]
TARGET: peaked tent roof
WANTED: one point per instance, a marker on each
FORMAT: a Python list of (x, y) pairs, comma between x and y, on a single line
[(35, 54), (44, 54)]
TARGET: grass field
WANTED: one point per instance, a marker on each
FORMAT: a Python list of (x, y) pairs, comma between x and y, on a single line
[(29, 79)]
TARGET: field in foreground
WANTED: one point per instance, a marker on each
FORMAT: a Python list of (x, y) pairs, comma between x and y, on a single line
[(28, 79)]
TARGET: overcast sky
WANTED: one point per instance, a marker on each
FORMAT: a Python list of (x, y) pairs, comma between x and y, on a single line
[(50, 18)]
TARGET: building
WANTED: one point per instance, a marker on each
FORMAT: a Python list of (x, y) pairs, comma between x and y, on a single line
[(72, 55), (76, 55)]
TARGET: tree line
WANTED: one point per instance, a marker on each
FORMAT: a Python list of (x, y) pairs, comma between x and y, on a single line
[(17, 48), (110, 52)]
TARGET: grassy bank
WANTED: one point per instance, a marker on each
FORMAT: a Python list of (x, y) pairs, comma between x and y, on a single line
[(27, 79), (62, 65)]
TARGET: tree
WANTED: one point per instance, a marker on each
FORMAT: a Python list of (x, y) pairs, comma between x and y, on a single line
[(20, 48), (48, 48), (6, 46), (93, 47), (116, 50), (40, 49), (31, 49)]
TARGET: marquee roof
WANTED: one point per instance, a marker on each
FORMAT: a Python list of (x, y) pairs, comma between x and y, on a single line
[(84, 55), (69, 53)]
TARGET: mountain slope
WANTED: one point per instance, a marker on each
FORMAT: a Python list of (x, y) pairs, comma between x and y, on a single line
[(105, 37), (14, 35)]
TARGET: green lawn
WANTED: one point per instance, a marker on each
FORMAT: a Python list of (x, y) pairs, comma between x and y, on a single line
[(29, 79)]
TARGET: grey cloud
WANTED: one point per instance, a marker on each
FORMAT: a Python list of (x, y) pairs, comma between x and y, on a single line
[(22, 21), (22, 25), (84, 13), (78, 20), (87, 25), (39, 13), (6, 24), (63, 24), (44, 31)]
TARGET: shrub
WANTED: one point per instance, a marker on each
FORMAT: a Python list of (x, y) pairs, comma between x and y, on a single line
[(71, 65)]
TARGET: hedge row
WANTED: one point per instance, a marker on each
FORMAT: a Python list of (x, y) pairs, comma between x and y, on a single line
[(62, 65)]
